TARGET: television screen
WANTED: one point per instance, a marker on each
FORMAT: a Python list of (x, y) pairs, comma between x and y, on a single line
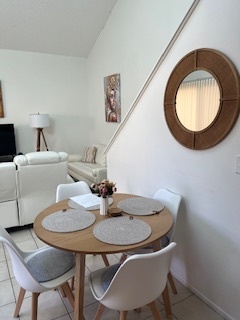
[(7, 140)]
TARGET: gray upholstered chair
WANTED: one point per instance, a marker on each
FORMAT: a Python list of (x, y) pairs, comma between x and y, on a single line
[(39, 271), (137, 282)]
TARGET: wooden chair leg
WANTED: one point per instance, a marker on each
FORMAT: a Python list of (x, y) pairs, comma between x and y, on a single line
[(166, 301), (68, 293), (19, 302), (62, 292), (72, 283), (155, 312), (34, 305), (172, 284), (99, 312), (123, 258), (105, 259), (123, 315)]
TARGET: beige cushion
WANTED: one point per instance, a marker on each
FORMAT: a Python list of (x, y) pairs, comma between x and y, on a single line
[(89, 154), (100, 155), (74, 157)]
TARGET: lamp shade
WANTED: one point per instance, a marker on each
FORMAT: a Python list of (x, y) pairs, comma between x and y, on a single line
[(39, 120)]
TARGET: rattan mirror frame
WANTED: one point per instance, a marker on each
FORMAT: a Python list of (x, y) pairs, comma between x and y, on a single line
[(227, 77)]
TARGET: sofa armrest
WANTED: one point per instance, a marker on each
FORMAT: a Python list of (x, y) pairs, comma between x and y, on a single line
[(75, 157), (8, 188), (100, 174), (41, 157)]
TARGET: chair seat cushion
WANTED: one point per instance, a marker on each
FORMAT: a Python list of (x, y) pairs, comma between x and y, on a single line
[(164, 241), (108, 275), (49, 264)]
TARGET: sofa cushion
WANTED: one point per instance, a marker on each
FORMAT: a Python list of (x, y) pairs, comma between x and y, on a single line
[(100, 156), (89, 154), (84, 169), (75, 157)]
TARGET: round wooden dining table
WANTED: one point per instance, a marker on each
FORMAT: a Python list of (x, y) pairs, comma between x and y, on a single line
[(84, 242)]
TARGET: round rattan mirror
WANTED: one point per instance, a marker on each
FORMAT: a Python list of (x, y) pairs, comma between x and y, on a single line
[(227, 77)]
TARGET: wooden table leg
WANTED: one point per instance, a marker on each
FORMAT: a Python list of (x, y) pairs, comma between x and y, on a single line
[(79, 286)]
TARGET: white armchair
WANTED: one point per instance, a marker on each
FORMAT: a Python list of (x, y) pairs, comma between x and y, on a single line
[(38, 175), (8, 195)]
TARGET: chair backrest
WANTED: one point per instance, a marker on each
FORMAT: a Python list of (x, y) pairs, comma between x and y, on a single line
[(38, 174), (139, 280), (64, 191), (172, 202), (21, 272)]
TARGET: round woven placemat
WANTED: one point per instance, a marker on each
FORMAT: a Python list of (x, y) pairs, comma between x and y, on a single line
[(122, 231), (140, 206), (68, 221)]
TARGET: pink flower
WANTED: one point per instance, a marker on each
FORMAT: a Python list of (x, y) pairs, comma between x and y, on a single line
[(106, 188)]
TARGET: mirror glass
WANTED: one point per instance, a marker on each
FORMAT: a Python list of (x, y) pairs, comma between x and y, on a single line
[(197, 100)]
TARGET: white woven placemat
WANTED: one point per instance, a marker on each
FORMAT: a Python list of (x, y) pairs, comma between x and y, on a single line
[(140, 206), (69, 220), (122, 231), (75, 205)]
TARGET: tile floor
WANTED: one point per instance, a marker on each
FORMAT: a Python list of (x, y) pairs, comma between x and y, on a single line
[(185, 305)]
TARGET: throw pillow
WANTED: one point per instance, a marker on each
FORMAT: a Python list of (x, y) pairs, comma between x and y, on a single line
[(89, 154), (100, 156)]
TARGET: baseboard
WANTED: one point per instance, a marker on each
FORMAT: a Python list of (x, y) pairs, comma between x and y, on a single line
[(203, 298)]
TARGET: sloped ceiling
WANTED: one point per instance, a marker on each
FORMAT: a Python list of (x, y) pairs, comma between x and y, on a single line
[(62, 27)]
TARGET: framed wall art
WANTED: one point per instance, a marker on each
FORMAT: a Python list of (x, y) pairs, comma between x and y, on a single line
[(1, 103), (112, 98)]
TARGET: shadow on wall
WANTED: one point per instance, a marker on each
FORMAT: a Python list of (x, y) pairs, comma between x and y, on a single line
[(192, 235)]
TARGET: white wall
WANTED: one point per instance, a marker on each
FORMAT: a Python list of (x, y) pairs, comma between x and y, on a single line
[(43, 83), (135, 35), (146, 157)]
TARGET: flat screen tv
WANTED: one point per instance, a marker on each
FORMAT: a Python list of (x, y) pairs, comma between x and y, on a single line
[(7, 140)]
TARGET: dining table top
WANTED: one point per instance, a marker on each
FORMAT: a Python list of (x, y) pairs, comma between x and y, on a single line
[(83, 241)]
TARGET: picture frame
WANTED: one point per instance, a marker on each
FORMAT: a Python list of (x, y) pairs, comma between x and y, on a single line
[(112, 98)]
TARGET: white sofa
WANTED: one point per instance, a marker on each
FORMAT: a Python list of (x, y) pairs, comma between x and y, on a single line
[(90, 172), (28, 185)]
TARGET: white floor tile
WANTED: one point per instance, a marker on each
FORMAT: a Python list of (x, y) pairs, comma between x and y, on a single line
[(6, 293), (4, 273), (52, 306), (193, 308)]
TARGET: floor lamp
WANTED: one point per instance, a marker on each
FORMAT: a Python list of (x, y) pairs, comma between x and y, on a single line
[(39, 121)]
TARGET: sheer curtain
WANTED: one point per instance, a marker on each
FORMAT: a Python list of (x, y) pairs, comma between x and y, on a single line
[(197, 103)]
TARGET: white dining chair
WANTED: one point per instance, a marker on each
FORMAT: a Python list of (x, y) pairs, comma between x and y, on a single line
[(39, 271), (67, 190), (137, 282), (172, 202)]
